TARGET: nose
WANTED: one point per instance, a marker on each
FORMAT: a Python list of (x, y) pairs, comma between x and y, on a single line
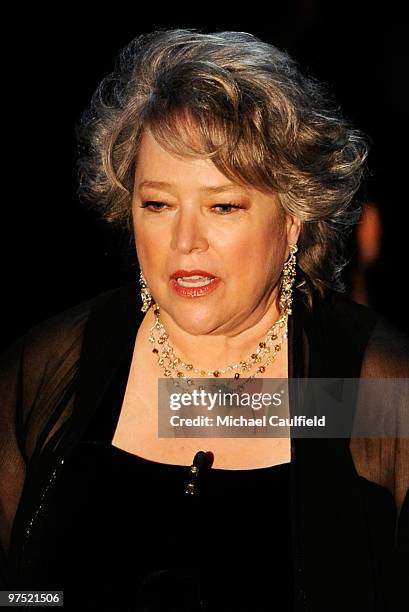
[(189, 232)]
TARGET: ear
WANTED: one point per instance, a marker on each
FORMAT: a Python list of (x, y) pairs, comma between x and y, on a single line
[(293, 225)]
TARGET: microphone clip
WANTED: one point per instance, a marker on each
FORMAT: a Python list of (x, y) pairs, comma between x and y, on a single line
[(201, 460)]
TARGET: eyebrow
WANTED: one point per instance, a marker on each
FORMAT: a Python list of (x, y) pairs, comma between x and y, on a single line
[(207, 189)]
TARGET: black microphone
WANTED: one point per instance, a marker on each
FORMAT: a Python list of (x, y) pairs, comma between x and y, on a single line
[(201, 460)]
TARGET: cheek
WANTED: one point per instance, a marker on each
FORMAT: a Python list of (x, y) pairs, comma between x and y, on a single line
[(242, 259), (259, 260), (149, 244)]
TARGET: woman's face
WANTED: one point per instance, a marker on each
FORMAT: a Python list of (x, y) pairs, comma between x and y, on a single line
[(189, 224)]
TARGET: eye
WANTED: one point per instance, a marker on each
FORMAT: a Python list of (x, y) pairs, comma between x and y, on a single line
[(224, 209), (153, 206), (228, 206)]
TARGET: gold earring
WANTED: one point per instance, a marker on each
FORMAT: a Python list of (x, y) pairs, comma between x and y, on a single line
[(145, 293), (289, 272)]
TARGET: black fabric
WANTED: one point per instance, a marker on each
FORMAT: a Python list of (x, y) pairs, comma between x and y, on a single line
[(193, 553), (348, 498)]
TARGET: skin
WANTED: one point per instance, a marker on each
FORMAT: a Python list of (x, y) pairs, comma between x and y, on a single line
[(246, 248)]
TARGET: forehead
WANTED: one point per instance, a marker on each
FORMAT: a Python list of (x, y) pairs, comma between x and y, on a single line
[(160, 170), (157, 168), (154, 163)]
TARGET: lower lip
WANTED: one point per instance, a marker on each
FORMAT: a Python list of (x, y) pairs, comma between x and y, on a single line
[(194, 292)]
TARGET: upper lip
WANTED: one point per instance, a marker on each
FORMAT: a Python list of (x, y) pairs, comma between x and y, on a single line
[(179, 273)]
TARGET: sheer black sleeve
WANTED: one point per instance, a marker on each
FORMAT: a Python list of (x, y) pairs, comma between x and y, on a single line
[(37, 382), (385, 461)]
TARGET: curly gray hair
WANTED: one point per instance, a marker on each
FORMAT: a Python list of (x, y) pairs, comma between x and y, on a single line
[(261, 122)]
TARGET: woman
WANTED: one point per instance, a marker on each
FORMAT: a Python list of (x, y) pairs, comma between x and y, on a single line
[(236, 178)]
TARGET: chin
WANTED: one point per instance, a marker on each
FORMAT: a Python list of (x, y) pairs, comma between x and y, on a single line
[(196, 319)]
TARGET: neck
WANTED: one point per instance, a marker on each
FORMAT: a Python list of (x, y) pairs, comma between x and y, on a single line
[(219, 348)]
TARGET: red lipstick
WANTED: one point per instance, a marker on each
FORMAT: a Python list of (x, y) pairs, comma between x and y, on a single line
[(180, 273), (196, 287)]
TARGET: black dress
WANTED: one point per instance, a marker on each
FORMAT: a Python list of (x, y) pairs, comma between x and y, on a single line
[(76, 512), (121, 534)]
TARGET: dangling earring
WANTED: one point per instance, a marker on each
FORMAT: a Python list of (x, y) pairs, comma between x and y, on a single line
[(145, 294), (289, 272)]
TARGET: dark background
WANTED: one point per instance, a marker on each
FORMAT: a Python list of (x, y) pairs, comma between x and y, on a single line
[(56, 253)]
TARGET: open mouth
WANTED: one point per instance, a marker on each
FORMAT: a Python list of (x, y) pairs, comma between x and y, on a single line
[(194, 281), (192, 287)]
